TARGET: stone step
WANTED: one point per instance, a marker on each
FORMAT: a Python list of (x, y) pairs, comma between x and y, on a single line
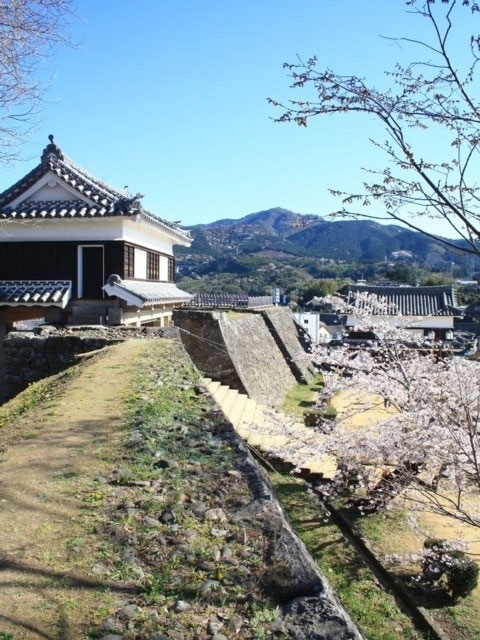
[(325, 465), (243, 432), (259, 417), (221, 393), (229, 400), (259, 440), (248, 414), (266, 430), (235, 414), (213, 386), (206, 381)]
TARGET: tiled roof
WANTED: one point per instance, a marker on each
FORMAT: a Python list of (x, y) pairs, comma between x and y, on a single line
[(30, 293), (142, 293), (109, 201), (57, 209), (408, 301)]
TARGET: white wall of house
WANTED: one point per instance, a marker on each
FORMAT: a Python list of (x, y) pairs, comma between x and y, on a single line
[(163, 268), (89, 229), (140, 264), (311, 323)]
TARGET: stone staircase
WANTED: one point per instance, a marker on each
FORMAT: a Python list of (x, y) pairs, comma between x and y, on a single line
[(271, 433)]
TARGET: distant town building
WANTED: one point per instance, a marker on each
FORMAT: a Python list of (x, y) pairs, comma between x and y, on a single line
[(431, 309), (319, 331), (75, 249)]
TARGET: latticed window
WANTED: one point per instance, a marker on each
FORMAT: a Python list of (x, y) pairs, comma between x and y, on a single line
[(171, 269), (153, 266), (129, 260)]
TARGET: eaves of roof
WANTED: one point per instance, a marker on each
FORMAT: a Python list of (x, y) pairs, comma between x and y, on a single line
[(35, 293)]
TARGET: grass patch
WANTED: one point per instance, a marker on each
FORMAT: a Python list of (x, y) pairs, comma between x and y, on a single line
[(301, 397), (390, 532), (374, 610)]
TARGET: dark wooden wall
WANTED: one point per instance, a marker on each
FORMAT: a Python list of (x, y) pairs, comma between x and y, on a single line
[(53, 260)]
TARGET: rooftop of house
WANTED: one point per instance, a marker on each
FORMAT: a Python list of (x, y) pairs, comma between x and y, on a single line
[(407, 301), (44, 293), (95, 197), (142, 293)]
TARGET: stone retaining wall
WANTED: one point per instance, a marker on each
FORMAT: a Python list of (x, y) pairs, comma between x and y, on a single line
[(243, 351), (258, 361), (281, 325), (29, 356)]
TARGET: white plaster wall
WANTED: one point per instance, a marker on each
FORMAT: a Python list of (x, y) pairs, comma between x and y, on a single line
[(96, 229), (140, 263), (163, 268), (311, 323)]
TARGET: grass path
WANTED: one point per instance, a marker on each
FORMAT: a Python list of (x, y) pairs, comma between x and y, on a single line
[(50, 455)]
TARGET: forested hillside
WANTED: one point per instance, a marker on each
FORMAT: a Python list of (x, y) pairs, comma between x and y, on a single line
[(281, 248)]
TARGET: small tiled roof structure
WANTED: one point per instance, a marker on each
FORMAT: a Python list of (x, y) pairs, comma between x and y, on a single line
[(407, 301), (143, 293), (473, 309), (32, 293), (107, 200)]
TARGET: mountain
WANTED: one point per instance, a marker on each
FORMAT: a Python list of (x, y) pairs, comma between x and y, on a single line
[(280, 248), (282, 231)]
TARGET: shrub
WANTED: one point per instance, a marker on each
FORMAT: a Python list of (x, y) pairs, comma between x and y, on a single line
[(462, 574), (440, 559)]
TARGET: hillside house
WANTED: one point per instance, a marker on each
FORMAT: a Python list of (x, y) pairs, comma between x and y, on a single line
[(319, 332), (430, 309), (74, 249)]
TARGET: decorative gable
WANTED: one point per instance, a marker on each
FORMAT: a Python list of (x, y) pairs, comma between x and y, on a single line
[(59, 188), (52, 189)]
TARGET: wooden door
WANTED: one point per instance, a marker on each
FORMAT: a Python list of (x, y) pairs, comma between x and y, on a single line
[(92, 272)]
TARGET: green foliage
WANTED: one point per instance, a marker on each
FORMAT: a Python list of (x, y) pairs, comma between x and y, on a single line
[(435, 279), (467, 296), (462, 574), (404, 273), (319, 288)]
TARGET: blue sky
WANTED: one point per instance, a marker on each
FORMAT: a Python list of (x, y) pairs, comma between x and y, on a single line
[(169, 98)]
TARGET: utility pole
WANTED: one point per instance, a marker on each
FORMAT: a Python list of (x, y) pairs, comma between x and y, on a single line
[(452, 264)]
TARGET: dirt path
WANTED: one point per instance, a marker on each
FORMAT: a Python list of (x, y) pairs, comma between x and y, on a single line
[(52, 455)]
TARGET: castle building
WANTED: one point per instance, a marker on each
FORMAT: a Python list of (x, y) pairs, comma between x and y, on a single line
[(74, 249)]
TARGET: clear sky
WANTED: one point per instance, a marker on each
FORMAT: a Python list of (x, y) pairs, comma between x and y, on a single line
[(169, 98)]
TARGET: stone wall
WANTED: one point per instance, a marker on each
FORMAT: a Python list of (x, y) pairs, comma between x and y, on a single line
[(29, 356), (239, 350), (259, 363), (204, 342), (284, 330)]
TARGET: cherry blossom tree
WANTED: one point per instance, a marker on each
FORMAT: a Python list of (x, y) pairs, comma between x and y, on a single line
[(424, 439), (434, 97)]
